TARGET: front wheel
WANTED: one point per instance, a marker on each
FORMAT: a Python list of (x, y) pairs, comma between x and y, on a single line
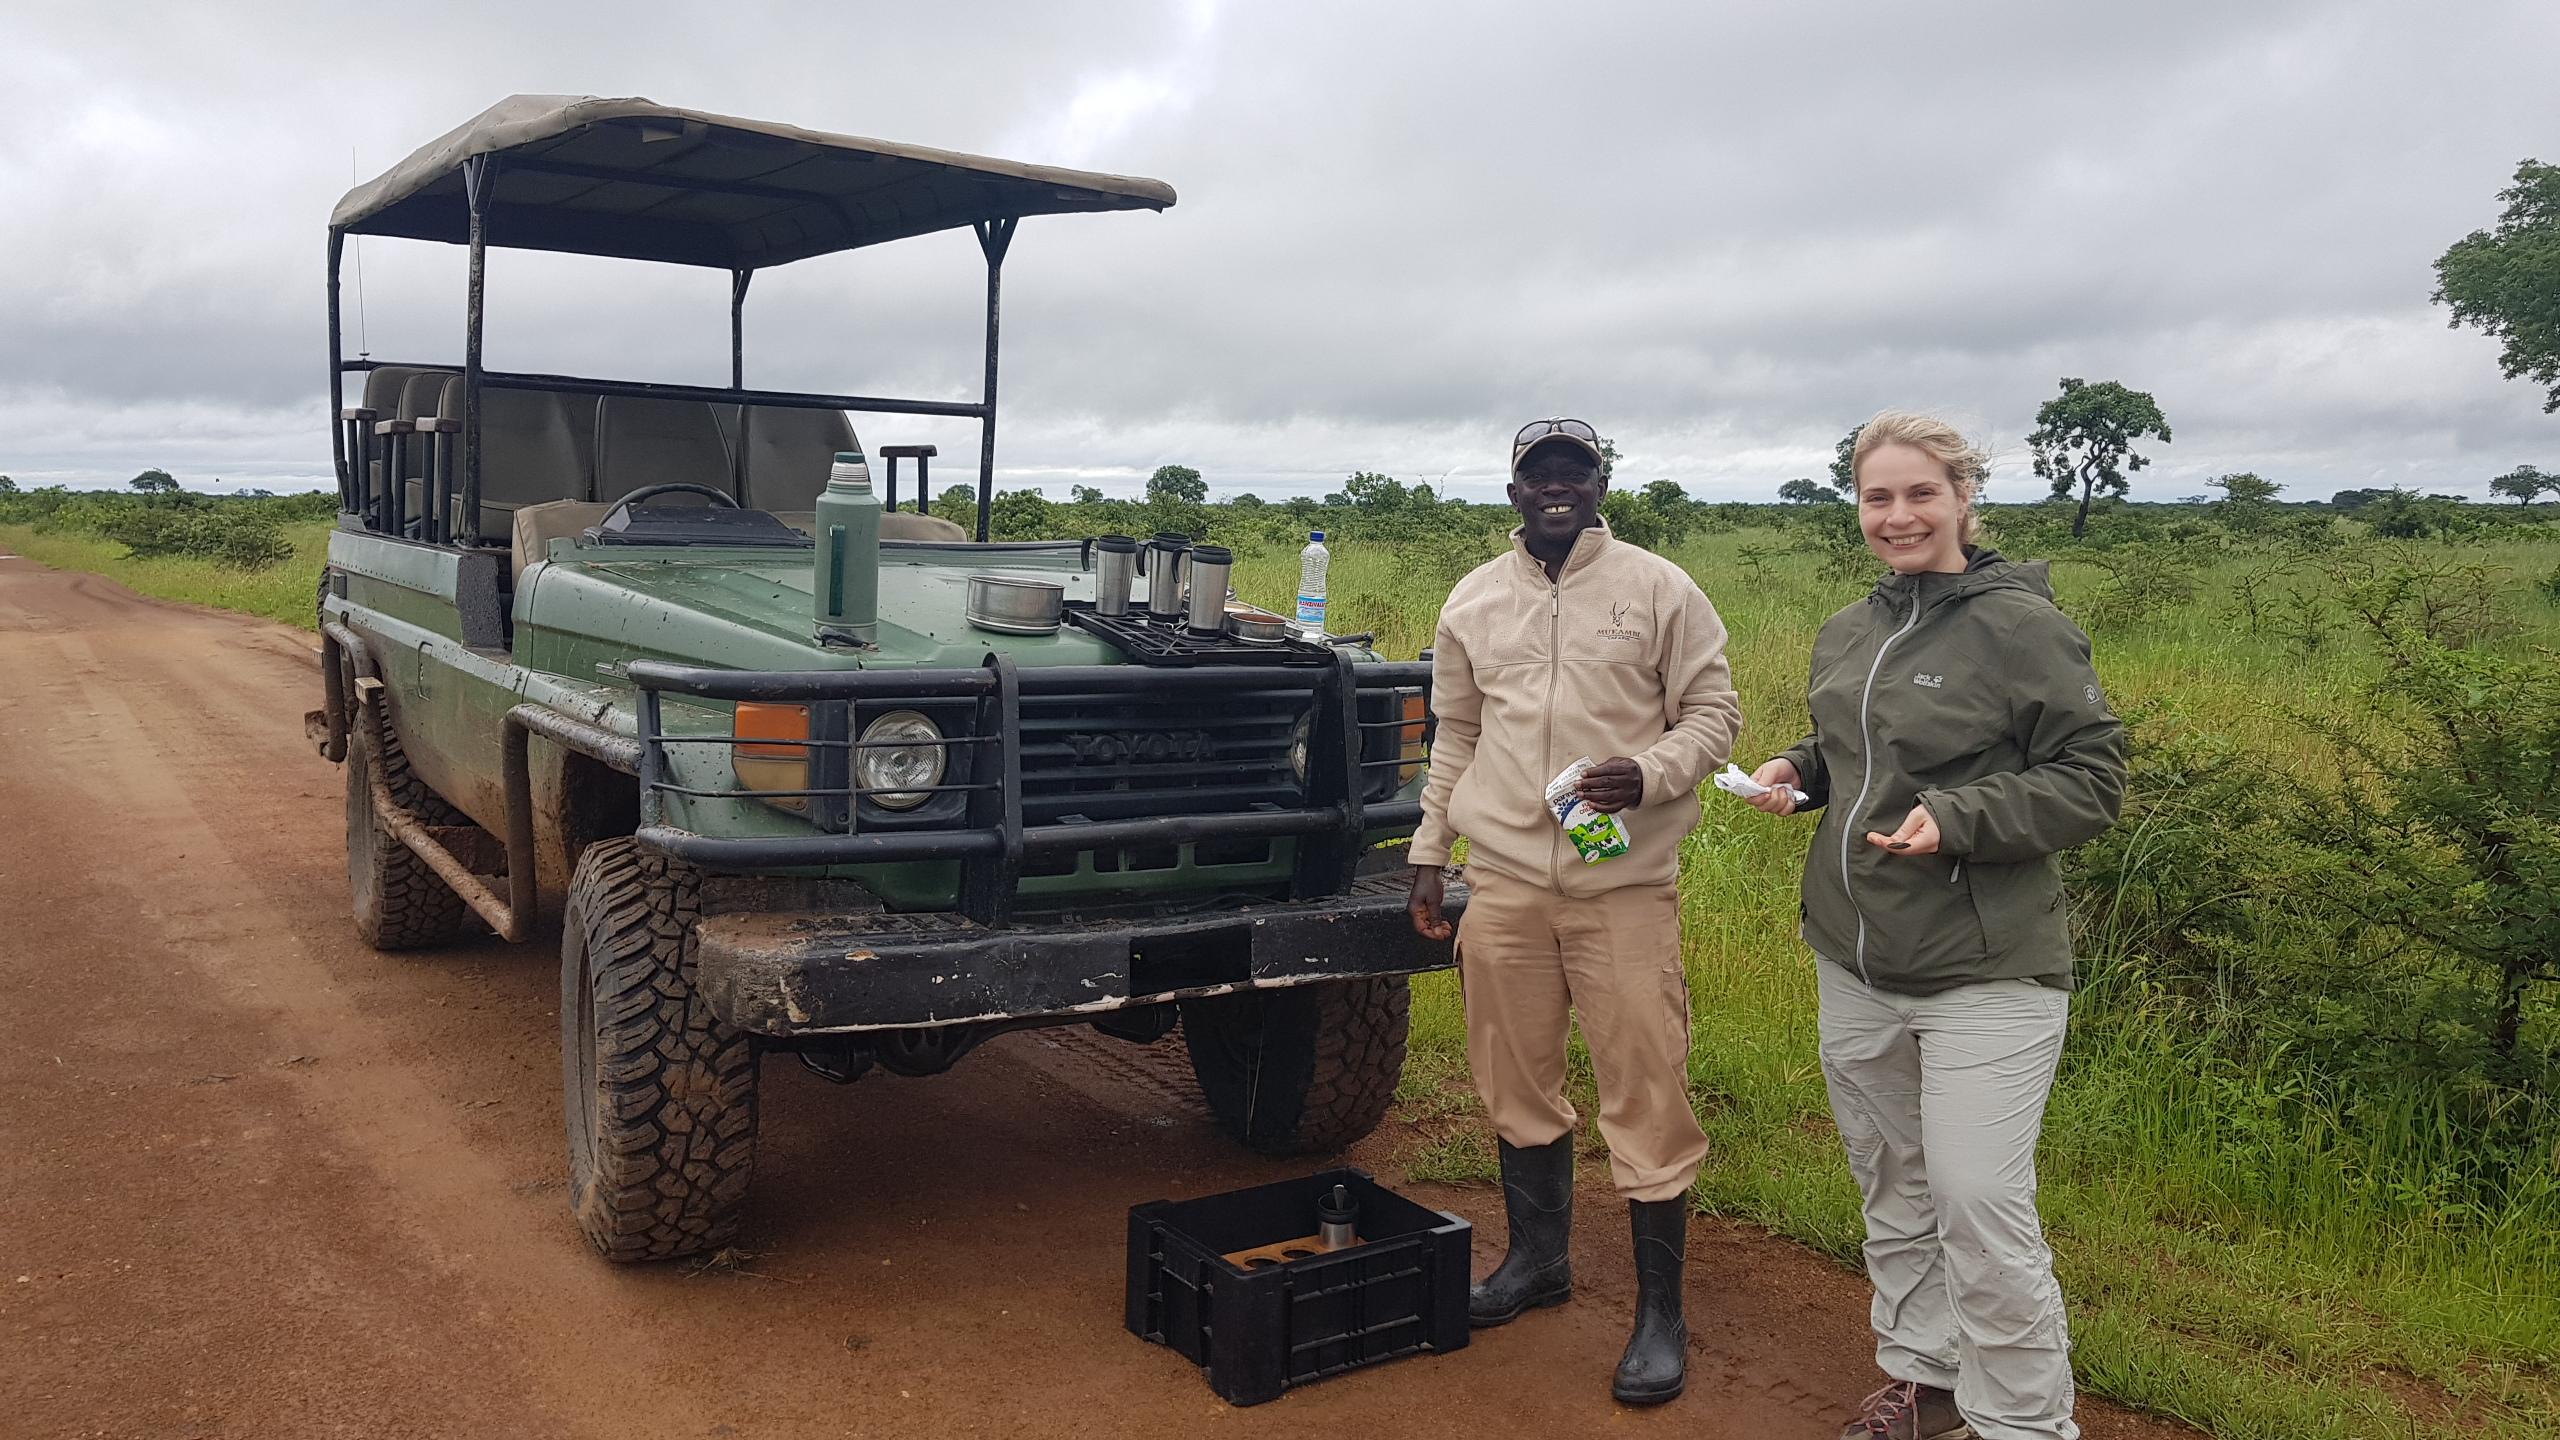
[(660, 1095), (1304, 1070)]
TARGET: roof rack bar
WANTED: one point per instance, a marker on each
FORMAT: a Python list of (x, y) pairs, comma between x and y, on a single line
[(653, 390)]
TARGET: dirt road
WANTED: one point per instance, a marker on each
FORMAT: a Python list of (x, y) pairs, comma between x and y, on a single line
[(259, 1181)]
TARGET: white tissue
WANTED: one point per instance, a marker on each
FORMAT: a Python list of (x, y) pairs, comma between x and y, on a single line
[(1732, 781)]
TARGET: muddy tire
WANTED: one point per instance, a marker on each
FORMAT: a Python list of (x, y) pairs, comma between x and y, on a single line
[(660, 1095), (400, 904), (1305, 1070)]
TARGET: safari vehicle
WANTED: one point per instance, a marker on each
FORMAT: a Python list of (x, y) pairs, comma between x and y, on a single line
[(572, 633)]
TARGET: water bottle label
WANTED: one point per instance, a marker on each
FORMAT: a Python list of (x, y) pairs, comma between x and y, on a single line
[(1311, 611)]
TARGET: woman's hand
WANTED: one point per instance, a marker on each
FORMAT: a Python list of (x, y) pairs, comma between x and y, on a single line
[(1918, 835), (1783, 781), (1423, 906)]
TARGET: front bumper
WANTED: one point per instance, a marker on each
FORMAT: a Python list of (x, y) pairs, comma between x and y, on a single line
[(804, 973)]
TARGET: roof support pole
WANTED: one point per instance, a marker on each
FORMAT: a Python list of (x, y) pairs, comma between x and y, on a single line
[(337, 378), (738, 280), (994, 237), (479, 173)]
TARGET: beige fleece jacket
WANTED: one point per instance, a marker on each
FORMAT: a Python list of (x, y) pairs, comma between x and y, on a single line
[(1620, 656)]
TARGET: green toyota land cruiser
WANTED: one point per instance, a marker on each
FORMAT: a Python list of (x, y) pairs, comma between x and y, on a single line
[(591, 637)]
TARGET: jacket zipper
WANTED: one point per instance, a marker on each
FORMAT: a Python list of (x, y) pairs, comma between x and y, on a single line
[(1555, 663), (1858, 807)]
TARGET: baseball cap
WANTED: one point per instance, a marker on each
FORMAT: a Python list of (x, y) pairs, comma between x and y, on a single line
[(1577, 433)]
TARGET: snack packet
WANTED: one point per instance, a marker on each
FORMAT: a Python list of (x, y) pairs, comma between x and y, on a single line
[(1595, 836)]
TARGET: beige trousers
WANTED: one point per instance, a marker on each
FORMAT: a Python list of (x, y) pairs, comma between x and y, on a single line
[(1940, 1100), (1530, 961)]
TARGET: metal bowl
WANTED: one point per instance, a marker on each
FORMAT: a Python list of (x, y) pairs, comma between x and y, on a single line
[(1256, 627), (1015, 604)]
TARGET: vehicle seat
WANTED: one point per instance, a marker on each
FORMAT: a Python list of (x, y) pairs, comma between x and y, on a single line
[(789, 451), (383, 388), (534, 527), (894, 525), (537, 447), (423, 398), (658, 442)]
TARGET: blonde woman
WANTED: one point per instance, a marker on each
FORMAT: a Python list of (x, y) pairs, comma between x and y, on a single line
[(1960, 742)]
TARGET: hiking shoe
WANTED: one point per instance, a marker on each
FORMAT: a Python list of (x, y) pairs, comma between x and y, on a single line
[(1907, 1411)]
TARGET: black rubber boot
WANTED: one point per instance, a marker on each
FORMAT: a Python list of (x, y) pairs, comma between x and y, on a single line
[(1537, 1200), (1656, 1365)]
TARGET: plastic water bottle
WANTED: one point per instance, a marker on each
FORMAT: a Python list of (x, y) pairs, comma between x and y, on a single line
[(1312, 564)]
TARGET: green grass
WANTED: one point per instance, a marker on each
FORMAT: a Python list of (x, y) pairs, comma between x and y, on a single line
[(280, 592), (2221, 1267)]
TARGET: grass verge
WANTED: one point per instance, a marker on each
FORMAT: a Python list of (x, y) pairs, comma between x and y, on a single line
[(281, 592)]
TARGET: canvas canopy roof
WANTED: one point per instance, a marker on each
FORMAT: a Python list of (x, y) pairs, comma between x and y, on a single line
[(644, 181)]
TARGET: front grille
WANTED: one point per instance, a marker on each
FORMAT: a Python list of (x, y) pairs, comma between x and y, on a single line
[(1118, 757)]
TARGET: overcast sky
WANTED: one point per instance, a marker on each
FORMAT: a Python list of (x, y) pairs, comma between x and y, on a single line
[(1722, 232)]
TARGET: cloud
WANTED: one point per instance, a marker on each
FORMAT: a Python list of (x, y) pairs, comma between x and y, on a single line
[(1724, 233)]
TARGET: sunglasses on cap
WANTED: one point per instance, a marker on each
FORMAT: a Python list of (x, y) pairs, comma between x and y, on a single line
[(1541, 429)]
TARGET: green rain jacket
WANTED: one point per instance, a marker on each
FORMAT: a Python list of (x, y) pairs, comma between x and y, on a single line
[(1973, 695)]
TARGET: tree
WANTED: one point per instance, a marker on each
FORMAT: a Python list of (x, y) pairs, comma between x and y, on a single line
[(2245, 488), (1804, 492), (1247, 501), (154, 482), (2247, 500), (2353, 500), (1844, 473), (2084, 440), (2523, 482), (1022, 515), (1179, 484), (8, 486), (2506, 281), (1665, 496), (1085, 495), (1632, 520)]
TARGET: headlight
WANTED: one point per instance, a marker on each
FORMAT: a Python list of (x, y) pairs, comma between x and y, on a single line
[(901, 749), (1298, 740)]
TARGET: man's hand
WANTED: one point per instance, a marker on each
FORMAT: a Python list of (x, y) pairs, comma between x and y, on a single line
[(1918, 835), (1613, 785), (1781, 778), (1424, 905)]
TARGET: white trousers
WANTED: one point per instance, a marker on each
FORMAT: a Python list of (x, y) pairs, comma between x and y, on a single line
[(1940, 1100)]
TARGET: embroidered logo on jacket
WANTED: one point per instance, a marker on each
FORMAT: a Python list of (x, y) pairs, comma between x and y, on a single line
[(1617, 629), (1934, 682)]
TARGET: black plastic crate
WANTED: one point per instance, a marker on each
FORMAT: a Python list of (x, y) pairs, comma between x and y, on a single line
[(1257, 1332)]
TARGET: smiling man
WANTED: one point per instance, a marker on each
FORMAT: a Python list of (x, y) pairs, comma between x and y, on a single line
[(1573, 646)]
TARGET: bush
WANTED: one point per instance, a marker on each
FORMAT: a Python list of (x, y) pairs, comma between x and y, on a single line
[(2142, 581), (241, 532), (226, 536)]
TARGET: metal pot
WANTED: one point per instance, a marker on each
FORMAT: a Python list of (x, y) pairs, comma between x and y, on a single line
[(1256, 627), (1015, 604)]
